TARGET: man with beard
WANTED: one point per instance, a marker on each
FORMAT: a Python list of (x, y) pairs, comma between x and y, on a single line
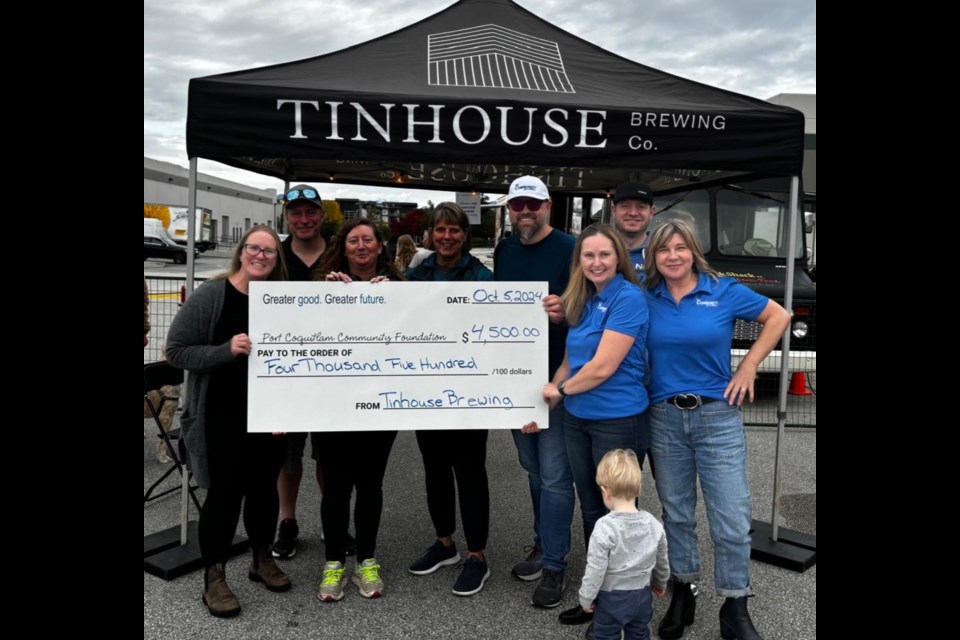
[(536, 252)]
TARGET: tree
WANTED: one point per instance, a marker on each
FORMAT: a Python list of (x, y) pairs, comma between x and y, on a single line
[(412, 222), (385, 232), (332, 218), (159, 212)]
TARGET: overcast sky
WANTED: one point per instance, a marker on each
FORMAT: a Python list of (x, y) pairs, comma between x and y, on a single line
[(756, 47)]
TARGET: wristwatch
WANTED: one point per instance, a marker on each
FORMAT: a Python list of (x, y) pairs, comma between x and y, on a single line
[(560, 387)]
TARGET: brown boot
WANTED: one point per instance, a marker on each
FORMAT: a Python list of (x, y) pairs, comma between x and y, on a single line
[(217, 595), (264, 569)]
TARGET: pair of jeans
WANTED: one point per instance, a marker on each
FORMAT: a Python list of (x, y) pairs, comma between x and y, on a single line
[(708, 442), (587, 442), (544, 457)]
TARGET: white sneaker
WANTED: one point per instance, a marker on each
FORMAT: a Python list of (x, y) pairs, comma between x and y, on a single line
[(367, 578), (331, 585)]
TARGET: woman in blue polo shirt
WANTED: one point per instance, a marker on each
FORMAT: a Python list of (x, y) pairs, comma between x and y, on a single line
[(695, 422), (601, 378)]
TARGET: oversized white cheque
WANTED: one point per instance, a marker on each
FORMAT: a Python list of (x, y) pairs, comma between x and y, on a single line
[(334, 356)]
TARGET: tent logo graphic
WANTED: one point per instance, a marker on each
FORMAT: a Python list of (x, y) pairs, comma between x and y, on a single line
[(494, 56)]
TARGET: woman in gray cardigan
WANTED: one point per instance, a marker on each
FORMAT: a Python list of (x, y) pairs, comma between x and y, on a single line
[(209, 339)]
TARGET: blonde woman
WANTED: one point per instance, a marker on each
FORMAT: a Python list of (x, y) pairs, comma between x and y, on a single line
[(601, 378), (695, 421), (406, 249)]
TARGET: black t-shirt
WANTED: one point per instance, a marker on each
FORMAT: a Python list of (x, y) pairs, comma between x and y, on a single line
[(227, 394), (297, 270)]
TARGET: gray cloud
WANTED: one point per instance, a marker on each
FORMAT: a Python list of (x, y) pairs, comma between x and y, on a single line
[(756, 47)]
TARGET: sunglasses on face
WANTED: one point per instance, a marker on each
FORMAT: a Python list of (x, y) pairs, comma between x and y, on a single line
[(309, 194), (518, 204), (253, 250)]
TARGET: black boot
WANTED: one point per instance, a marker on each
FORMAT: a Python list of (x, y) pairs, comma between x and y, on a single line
[(680, 614), (576, 615), (735, 623)]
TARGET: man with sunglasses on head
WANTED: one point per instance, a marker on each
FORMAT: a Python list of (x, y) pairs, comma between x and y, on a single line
[(536, 252), (303, 250)]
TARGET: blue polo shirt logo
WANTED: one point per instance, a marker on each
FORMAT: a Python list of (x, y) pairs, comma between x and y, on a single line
[(601, 308), (708, 303)]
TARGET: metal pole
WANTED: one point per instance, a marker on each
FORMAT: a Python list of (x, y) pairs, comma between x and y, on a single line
[(191, 224), (785, 351), (191, 266)]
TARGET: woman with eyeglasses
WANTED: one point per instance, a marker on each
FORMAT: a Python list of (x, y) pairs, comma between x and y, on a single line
[(601, 378), (354, 460), (208, 338), (695, 419), (454, 460)]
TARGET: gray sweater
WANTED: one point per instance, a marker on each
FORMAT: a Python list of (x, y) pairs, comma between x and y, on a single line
[(627, 551), (188, 347)]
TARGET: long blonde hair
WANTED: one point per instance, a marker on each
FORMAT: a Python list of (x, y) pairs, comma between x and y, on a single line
[(580, 290), (405, 252), (661, 237)]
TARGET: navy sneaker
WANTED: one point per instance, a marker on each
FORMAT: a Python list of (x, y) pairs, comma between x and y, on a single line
[(474, 573), (436, 556), (530, 568), (550, 590), (286, 545)]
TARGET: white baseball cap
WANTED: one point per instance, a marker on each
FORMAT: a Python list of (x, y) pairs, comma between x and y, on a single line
[(528, 187)]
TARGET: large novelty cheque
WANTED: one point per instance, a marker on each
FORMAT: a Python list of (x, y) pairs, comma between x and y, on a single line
[(334, 356)]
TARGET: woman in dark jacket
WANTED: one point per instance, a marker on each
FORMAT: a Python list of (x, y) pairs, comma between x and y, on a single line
[(460, 453)]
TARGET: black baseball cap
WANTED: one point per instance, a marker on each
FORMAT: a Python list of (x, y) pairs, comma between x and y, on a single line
[(633, 191)]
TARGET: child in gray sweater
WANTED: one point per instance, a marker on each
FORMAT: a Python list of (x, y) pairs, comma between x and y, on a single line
[(627, 556)]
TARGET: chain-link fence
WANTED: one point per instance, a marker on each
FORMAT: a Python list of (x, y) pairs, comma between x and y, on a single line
[(802, 390), (165, 300)]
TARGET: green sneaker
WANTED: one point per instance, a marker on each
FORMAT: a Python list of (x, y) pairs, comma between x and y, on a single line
[(367, 578), (331, 586)]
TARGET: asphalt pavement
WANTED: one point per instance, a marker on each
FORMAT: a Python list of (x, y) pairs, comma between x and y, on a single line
[(415, 607)]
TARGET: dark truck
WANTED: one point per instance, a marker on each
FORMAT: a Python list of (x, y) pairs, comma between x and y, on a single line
[(743, 230)]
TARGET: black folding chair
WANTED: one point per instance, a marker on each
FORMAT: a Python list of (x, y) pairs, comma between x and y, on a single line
[(155, 376)]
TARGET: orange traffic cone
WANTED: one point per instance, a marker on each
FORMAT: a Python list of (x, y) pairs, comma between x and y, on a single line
[(798, 384)]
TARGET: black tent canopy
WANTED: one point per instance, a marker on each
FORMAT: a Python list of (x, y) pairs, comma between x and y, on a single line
[(477, 95)]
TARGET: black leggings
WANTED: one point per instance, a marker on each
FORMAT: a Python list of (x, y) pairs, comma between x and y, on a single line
[(462, 454), (348, 460), (242, 465)]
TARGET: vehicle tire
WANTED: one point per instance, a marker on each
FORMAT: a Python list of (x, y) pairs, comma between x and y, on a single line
[(180, 258)]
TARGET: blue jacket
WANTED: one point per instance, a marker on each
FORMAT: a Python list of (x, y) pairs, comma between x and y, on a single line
[(469, 269)]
